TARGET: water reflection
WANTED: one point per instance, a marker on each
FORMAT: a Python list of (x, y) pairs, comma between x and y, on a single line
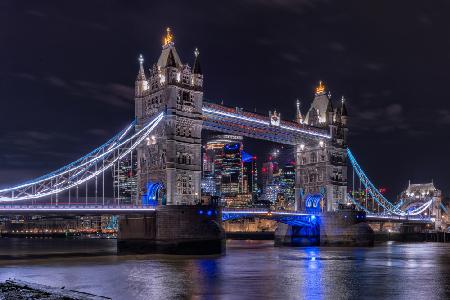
[(250, 270)]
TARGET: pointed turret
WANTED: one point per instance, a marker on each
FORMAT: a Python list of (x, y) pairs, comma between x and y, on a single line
[(197, 69), (330, 113), (141, 83), (197, 75), (344, 114), (298, 115), (337, 115)]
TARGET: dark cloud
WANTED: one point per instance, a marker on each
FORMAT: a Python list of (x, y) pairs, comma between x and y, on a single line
[(338, 47)]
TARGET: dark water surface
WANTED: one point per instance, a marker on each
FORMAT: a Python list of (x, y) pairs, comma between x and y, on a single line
[(250, 270)]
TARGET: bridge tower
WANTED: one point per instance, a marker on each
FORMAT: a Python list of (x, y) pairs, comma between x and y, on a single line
[(321, 167), (171, 158)]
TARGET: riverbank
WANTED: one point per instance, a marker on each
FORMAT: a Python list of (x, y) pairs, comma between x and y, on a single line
[(16, 289)]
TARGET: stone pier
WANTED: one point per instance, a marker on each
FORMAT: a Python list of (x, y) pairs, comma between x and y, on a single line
[(173, 229), (340, 228)]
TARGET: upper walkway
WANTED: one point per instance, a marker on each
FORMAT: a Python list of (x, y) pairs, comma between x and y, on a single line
[(236, 121)]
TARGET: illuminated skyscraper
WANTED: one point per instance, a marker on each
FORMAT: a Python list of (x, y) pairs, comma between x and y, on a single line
[(125, 180), (213, 163), (232, 175), (287, 184), (250, 171), (269, 173)]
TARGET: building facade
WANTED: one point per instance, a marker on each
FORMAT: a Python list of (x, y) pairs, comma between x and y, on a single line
[(321, 168), (125, 179), (169, 164), (417, 195)]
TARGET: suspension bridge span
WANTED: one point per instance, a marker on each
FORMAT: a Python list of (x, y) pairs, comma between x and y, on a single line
[(161, 201)]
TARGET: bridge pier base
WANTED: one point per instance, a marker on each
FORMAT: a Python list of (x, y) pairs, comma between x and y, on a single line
[(300, 236), (340, 228), (173, 229), (345, 228)]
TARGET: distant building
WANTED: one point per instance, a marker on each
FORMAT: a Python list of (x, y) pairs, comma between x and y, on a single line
[(250, 171), (287, 183), (232, 173), (213, 163), (269, 174), (229, 172), (125, 180), (417, 195)]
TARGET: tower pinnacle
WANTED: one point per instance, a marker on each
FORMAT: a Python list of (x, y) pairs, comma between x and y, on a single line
[(343, 109), (168, 39), (141, 74), (196, 69), (320, 88), (298, 116), (141, 80)]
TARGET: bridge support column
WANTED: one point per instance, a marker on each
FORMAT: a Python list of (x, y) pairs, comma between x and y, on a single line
[(301, 236), (173, 229), (340, 228), (345, 228)]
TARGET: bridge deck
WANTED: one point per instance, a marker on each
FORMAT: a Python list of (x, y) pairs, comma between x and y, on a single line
[(238, 122), (227, 213)]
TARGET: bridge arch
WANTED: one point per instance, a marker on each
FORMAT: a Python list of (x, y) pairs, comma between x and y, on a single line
[(155, 195)]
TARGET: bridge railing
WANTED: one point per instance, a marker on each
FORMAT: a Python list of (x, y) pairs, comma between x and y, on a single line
[(71, 207)]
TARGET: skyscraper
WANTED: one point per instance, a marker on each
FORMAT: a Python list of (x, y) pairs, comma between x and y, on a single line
[(250, 171), (232, 175), (125, 179), (287, 184), (213, 163)]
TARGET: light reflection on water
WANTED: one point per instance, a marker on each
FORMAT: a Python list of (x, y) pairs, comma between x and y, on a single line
[(250, 270)]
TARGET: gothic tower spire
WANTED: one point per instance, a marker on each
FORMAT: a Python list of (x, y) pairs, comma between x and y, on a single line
[(196, 69), (141, 83), (344, 114), (298, 115)]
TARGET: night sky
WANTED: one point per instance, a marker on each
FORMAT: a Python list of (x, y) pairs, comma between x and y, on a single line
[(67, 71)]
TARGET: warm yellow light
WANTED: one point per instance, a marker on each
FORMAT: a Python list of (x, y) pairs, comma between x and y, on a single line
[(168, 38), (321, 88)]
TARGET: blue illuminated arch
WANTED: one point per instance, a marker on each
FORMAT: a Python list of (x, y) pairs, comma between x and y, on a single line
[(312, 202), (155, 194)]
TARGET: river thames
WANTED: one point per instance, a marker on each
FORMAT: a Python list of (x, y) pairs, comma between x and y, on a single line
[(249, 270)]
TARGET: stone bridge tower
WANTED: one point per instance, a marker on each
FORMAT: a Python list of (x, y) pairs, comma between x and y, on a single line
[(169, 163), (321, 167)]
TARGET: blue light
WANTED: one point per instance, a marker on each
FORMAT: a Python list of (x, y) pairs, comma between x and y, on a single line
[(246, 157), (200, 212), (152, 196), (234, 146), (209, 213)]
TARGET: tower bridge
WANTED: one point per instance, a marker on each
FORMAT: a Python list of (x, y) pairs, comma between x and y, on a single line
[(163, 148)]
